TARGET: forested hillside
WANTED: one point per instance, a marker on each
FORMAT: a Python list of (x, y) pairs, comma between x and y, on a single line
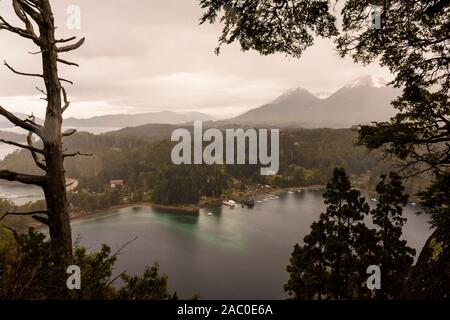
[(142, 161)]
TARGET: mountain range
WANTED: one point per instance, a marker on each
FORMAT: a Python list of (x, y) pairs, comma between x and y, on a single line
[(12, 136), (364, 100), (123, 120), (133, 120), (4, 123)]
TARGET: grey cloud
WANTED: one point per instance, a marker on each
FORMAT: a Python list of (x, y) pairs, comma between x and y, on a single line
[(143, 55)]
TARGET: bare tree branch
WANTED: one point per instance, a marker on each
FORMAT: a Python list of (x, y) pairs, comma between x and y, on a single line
[(69, 132), (65, 40), (42, 220), (37, 52), (70, 184), (41, 91), (19, 10), (20, 123), (31, 74), (4, 25), (28, 120), (72, 46), (33, 153), (29, 7), (78, 153), (68, 62), (66, 101), (65, 80), (22, 73), (23, 178), (19, 145), (22, 214)]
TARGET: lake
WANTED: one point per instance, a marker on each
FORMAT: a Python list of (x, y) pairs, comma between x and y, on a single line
[(236, 253), (20, 194)]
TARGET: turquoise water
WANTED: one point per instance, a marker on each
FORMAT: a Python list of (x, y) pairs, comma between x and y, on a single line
[(236, 253)]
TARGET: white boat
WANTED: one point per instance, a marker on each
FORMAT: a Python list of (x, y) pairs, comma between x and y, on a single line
[(374, 200), (230, 203), (209, 214), (290, 192), (414, 204), (259, 201)]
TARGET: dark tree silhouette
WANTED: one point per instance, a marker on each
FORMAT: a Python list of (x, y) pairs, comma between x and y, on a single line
[(396, 256), (333, 261), (269, 27), (414, 43), (39, 27), (325, 266)]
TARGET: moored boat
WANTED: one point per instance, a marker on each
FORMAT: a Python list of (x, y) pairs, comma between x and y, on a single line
[(230, 203)]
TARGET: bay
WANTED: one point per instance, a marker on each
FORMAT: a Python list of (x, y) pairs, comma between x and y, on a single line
[(235, 253)]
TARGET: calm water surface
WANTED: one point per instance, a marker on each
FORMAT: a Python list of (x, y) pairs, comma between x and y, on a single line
[(236, 253), (20, 194)]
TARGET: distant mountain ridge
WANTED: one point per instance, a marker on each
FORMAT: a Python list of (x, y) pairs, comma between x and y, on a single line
[(148, 132), (365, 100), (5, 123), (14, 137), (123, 120), (138, 119)]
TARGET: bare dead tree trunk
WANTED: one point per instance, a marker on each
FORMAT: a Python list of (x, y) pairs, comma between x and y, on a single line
[(51, 157)]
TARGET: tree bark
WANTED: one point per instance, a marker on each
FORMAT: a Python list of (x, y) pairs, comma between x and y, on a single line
[(55, 188), (39, 13)]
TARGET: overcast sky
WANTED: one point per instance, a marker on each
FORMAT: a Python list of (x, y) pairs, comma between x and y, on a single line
[(152, 55)]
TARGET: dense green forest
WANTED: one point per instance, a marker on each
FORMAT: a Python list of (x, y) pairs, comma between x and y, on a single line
[(307, 157)]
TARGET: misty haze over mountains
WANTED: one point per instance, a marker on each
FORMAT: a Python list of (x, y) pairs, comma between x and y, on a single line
[(132, 120), (125, 120), (366, 99)]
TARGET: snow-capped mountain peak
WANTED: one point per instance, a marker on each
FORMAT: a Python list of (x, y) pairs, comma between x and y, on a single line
[(368, 81), (322, 94)]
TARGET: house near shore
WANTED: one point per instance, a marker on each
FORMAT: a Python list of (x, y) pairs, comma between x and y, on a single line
[(116, 183)]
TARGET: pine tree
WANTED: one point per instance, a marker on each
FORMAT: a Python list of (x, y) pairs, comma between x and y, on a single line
[(345, 209), (308, 268), (367, 251), (325, 266), (333, 262), (396, 256)]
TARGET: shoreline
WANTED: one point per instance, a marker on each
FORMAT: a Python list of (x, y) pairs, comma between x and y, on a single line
[(80, 216), (188, 208)]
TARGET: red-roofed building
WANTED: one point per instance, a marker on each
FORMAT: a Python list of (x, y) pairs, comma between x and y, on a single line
[(115, 183)]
